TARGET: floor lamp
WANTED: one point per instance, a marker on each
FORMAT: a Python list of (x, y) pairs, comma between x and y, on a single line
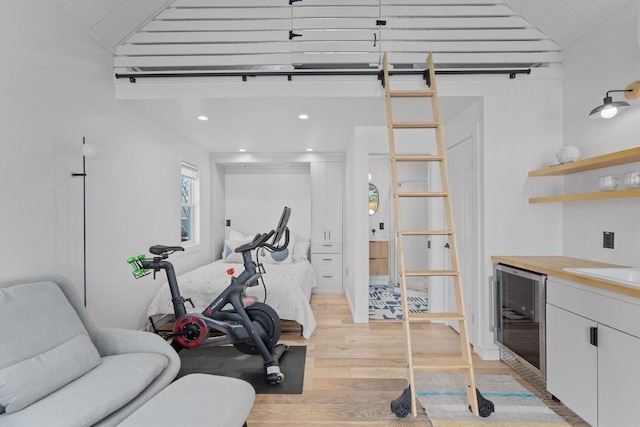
[(88, 150)]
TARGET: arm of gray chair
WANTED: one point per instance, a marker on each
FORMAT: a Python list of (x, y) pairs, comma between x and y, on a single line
[(111, 341)]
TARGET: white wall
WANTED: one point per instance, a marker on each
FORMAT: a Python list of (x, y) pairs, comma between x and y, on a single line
[(606, 58), (57, 88), (254, 201)]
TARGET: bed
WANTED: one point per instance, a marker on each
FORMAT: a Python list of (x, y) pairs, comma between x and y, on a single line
[(288, 284)]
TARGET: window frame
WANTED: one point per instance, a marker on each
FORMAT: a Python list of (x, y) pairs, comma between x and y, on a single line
[(189, 171)]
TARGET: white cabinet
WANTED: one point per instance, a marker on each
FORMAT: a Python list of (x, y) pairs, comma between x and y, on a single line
[(593, 353), (326, 224)]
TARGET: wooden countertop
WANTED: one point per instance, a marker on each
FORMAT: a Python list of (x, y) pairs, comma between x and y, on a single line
[(554, 265)]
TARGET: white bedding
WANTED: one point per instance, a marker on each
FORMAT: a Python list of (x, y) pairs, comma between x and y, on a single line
[(288, 290)]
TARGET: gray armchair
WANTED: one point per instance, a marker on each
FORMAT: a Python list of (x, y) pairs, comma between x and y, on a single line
[(57, 368)]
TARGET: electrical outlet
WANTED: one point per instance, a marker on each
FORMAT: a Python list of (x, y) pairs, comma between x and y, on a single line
[(607, 239), (228, 223)]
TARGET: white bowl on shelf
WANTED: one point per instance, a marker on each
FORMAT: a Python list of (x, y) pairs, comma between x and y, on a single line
[(568, 154)]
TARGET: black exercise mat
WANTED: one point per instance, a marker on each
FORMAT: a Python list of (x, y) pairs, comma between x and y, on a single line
[(229, 362)]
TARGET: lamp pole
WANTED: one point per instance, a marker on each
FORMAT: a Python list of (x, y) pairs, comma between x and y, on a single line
[(84, 223)]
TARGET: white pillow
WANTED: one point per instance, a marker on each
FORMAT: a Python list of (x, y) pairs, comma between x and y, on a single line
[(300, 251), (228, 252), (234, 235)]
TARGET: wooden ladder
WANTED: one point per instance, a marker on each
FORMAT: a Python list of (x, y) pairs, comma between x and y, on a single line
[(463, 363)]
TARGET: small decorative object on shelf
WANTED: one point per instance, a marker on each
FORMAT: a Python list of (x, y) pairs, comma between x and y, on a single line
[(568, 154), (608, 182), (632, 179)]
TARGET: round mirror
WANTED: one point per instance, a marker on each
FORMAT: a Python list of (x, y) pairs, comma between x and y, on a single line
[(374, 198)]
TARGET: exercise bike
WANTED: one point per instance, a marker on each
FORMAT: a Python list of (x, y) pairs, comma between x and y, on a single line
[(250, 326)]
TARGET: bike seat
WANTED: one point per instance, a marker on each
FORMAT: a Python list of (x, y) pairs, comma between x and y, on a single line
[(164, 250)]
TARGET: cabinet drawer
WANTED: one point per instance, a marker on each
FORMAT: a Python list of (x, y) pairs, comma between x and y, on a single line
[(329, 278), (328, 272), (328, 247), (325, 259), (618, 314), (378, 267)]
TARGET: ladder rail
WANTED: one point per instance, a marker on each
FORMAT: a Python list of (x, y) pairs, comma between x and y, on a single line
[(398, 233)]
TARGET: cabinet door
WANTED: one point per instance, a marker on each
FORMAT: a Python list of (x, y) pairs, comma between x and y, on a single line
[(334, 201), (618, 378), (318, 201), (326, 201), (572, 362)]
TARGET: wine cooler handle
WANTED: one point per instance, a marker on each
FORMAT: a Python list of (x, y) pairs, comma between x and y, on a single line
[(492, 303)]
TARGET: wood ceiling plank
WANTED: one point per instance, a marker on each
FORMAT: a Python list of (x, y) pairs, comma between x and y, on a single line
[(335, 58), (467, 22), (201, 61), (467, 46), (464, 34), (446, 11), (204, 49), (226, 13), (207, 37), (248, 25), (477, 58), (372, 12), (439, 2)]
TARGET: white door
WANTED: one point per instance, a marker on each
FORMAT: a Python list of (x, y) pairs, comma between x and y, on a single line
[(462, 176)]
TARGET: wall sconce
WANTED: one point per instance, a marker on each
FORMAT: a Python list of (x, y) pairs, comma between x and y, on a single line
[(89, 150), (609, 108)]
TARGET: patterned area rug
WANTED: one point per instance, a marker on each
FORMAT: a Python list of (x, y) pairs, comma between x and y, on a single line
[(445, 401), (384, 301)]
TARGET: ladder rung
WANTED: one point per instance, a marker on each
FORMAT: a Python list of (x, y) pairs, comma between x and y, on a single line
[(431, 273), (414, 125), (428, 317), (417, 158), (406, 93), (424, 194), (442, 364), (426, 232)]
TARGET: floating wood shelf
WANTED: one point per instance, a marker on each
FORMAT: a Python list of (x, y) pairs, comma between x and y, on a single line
[(612, 159), (620, 194), (606, 160)]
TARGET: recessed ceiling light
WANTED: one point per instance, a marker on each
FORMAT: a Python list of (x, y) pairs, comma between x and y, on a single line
[(303, 116), (309, 149), (203, 118), (242, 150)]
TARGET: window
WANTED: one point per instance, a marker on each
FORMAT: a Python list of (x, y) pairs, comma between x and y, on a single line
[(188, 203)]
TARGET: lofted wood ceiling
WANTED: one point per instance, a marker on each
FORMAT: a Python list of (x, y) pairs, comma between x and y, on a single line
[(204, 35)]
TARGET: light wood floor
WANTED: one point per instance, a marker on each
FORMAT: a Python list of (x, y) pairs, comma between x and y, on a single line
[(354, 371)]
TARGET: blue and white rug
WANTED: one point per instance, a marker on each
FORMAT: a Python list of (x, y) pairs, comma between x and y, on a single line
[(384, 301), (444, 399)]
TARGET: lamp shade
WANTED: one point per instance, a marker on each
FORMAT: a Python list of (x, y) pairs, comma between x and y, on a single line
[(608, 109), (91, 150)]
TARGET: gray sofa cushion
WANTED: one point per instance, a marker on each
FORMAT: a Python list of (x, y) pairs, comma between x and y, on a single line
[(202, 401), (95, 395), (47, 321), (28, 381)]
